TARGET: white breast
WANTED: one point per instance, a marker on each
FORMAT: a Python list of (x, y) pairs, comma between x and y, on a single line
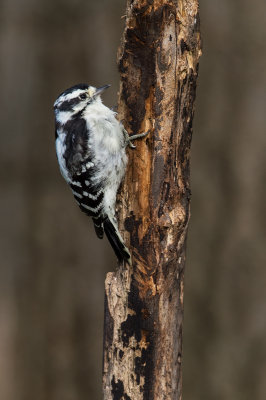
[(106, 140)]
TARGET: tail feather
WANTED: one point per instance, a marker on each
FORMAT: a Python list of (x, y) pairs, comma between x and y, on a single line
[(116, 241), (98, 226)]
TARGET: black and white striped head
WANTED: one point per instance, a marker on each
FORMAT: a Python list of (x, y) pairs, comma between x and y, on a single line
[(75, 99)]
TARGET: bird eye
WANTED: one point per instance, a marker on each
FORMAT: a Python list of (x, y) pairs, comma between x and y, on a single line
[(82, 96)]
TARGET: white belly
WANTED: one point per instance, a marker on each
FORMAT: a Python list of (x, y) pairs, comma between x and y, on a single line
[(106, 141)]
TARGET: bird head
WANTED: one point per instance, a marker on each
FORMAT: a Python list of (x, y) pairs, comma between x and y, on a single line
[(75, 99)]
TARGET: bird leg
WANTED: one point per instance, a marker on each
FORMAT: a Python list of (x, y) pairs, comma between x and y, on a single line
[(129, 139)]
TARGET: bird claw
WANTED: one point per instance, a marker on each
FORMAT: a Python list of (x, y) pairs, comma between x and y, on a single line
[(139, 135), (134, 137)]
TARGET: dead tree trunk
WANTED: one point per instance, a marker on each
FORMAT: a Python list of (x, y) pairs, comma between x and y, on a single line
[(158, 63)]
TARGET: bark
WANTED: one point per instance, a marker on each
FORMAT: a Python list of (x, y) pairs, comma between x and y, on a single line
[(158, 63)]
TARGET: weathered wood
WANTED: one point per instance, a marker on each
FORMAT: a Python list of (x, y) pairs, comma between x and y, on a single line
[(158, 63)]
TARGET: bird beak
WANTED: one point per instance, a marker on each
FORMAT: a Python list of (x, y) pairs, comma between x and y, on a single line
[(101, 89)]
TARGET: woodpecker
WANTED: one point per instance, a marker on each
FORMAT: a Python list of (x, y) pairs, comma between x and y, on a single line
[(91, 151)]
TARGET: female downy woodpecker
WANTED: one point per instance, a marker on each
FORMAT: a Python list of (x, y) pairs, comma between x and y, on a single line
[(91, 151)]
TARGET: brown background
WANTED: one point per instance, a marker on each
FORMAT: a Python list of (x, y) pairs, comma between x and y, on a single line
[(52, 265)]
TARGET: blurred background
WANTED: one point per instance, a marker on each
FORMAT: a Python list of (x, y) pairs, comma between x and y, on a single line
[(52, 265)]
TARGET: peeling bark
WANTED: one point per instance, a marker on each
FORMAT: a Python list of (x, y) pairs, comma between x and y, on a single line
[(158, 63)]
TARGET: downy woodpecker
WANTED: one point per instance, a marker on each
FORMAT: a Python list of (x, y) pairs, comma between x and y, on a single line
[(91, 151)]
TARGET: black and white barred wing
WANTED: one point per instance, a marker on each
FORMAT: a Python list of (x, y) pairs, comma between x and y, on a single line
[(90, 199), (79, 162), (89, 196)]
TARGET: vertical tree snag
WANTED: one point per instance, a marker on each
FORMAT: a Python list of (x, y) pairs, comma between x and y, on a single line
[(158, 63)]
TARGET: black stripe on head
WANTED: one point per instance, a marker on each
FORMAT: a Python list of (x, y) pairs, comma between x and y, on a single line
[(82, 86), (68, 104)]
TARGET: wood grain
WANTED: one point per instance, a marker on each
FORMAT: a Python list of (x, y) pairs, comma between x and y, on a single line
[(158, 64)]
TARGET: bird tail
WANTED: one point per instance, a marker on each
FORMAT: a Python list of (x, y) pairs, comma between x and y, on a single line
[(116, 241)]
